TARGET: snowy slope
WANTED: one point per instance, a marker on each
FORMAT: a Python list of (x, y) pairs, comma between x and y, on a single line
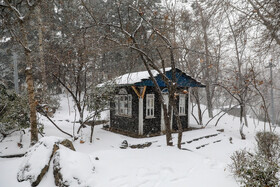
[(155, 166)]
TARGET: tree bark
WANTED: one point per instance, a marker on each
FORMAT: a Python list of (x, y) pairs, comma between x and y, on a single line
[(180, 128), (41, 54), (91, 133), (243, 137), (167, 121), (207, 64), (30, 88), (167, 113), (173, 88), (196, 96)]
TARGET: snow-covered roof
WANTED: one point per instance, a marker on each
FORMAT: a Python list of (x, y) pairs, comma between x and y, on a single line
[(142, 78), (132, 78)]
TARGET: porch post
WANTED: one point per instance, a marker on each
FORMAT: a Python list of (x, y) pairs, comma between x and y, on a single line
[(140, 117), (189, 105)]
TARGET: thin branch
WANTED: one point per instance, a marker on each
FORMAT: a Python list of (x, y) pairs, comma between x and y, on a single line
[(14, 9), (90, 13), (3, 108), (166, 40), (65, 86), (137, 28), (229, 92), (268, 25), (29, 3), (55, 124), (4, 6), (19, 41)]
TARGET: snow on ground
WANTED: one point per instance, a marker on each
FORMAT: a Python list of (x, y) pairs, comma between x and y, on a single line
[(155, 166)]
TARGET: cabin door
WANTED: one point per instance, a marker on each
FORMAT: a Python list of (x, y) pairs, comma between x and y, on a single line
[(166, 101)]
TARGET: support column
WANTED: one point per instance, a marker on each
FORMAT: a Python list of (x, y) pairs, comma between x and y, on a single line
[(141, 108), (140, 117), (189, 105)]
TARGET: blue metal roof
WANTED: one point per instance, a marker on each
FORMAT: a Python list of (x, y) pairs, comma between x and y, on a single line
[(183, 80)]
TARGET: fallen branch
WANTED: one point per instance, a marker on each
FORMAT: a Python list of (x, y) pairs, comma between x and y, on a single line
[(13, 156), (41, 111), (97, 122), (58, 127), (4, 135)]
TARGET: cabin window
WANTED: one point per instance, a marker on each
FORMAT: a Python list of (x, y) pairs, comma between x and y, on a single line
[(150, 109), (123, 105), (182, 104), (117, 104), (129, 105)]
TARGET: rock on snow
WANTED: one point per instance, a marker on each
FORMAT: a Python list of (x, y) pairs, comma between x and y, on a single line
[(37, 160), (72, 168)]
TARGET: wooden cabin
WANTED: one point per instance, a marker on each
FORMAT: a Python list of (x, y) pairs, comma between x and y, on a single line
[(136, 109)]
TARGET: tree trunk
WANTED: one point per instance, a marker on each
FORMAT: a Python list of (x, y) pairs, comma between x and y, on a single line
[(245, 115), (209, 102), (30, 88), (167, 113), (207, 64), (41, 54), (179, 124), (243, 137), (196, 96), (167, 121), (91, 133), (173, 89), (32, 106)]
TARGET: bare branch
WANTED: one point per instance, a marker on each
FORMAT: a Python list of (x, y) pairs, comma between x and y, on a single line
[(15, 10), (90, 12), (18, 40)]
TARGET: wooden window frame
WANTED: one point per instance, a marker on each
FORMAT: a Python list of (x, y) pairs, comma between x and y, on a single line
[(182, 105), (123, 105), (150, 110)]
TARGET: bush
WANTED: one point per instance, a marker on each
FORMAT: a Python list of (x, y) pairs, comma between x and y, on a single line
[(268, 145), (259, 169), (14, 112)]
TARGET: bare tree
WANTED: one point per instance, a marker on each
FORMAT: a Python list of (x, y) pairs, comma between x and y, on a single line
[(267, 13), (208, 17), (263, 17)]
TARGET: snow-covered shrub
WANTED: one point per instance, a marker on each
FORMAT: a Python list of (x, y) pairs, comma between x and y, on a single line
[(260, 168), (268, 144), (98, 99), (49, 102), (14, 112)]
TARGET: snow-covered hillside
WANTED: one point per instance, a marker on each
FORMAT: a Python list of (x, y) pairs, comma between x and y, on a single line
[(203, 161)]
